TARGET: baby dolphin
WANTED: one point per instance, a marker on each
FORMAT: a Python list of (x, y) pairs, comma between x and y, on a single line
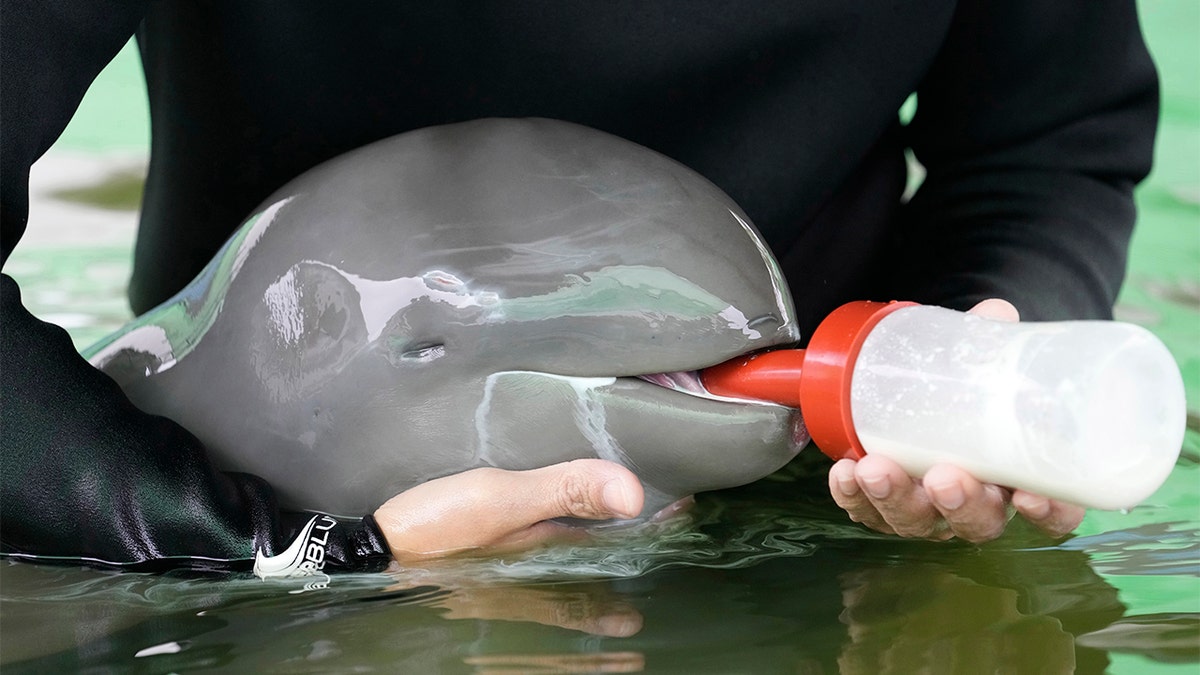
[(502, 292)]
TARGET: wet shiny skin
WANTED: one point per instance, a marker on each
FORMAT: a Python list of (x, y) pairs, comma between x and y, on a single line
[(480, 294)]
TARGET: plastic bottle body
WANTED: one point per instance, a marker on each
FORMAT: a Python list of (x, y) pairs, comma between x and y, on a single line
[(1089, 412)]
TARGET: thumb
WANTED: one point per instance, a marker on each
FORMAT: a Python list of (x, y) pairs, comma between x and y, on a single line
[(489, 507), (594, 489)]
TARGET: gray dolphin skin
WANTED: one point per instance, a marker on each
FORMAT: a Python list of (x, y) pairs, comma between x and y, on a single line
[(502, 292)]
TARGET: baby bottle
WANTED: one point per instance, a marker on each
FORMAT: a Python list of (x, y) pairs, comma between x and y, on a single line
[(1088, 412)]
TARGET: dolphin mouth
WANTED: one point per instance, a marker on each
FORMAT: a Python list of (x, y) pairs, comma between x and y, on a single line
[(675, 435), (686, 381), (689, 382)]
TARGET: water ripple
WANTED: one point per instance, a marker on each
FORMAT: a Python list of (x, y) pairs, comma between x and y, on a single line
[(1154, 549)]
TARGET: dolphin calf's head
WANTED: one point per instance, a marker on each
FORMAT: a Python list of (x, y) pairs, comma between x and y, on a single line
[(507, 293)]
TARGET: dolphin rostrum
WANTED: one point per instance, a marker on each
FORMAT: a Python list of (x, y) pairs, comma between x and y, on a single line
[(502, 292)]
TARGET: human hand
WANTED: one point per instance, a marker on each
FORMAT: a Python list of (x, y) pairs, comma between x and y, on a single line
[(947, 502), (500, 510)]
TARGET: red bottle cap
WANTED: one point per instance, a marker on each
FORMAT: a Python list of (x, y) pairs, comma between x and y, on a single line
[(828, 365)]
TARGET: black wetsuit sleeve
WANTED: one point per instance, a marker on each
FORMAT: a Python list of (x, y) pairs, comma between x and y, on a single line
[(1035, 122), (84, 475), (87, 477)]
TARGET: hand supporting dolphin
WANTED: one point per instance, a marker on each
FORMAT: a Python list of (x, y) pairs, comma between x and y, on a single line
[(498, 293)]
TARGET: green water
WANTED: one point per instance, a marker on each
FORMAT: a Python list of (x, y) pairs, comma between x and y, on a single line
[(767, 578)]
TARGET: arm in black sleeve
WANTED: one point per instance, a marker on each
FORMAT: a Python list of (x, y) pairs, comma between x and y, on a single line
[(1035, 123), (87, 477), (84, 475)]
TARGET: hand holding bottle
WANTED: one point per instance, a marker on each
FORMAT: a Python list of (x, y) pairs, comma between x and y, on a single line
[(947, 501), (1086, 412)]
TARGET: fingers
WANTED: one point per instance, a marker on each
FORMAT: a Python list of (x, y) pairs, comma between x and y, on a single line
[(673, 509), (876, 492), (501, 510), (948, 502), (973, 510), (846, 491), (899, 499), (1055, 518), (850, 495), (995, 308)]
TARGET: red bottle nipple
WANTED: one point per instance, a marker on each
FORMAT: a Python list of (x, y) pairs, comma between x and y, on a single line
[(816, 379)]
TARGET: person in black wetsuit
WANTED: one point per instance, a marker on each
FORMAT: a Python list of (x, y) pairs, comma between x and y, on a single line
[(1034, 122)]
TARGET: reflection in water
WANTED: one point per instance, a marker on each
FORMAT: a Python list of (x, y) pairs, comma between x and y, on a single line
[(1150, 549), (603, 662), (1167, 637), (592, 609), (921, 619), (783, 587)]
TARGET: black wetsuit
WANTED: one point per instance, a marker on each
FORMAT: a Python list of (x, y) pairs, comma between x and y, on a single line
[(1035, 120)]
